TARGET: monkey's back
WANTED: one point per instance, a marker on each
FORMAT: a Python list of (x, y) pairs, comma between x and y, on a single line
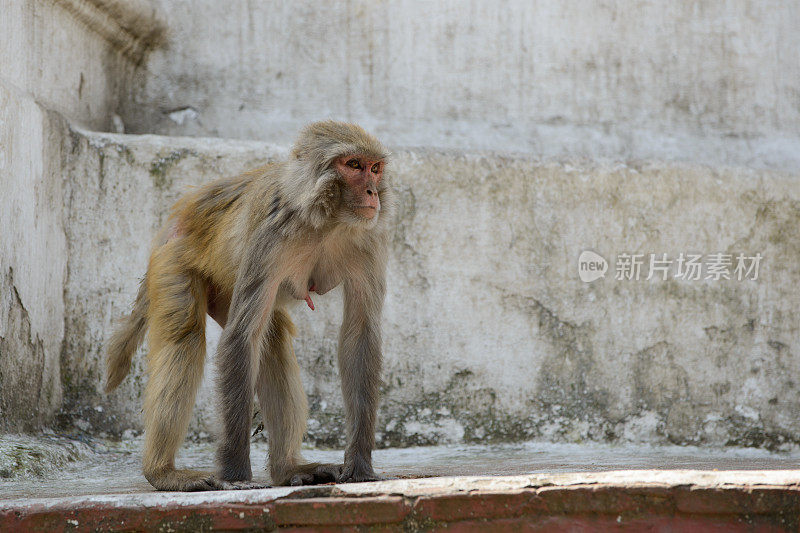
[(212, 223)]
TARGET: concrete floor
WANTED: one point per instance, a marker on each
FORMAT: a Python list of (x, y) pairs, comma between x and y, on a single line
[(105, 467)]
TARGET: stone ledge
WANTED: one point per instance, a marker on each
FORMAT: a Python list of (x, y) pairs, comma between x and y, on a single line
[(496, 239), (132, 26), (764, 501)]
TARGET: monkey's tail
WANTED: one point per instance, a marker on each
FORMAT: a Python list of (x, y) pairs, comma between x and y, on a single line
[(126, 339)]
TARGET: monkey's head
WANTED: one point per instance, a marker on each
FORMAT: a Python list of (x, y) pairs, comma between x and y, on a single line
[(343, 174)]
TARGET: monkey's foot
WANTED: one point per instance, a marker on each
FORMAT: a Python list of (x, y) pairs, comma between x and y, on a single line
[(240, 485), (193, 481)]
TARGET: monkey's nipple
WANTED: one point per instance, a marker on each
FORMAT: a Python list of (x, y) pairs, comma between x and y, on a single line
[(311, 288)]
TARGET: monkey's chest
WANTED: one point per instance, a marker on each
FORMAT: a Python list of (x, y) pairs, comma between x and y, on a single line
[(323, 279), (317, 269), (319, 278), (309, 277)]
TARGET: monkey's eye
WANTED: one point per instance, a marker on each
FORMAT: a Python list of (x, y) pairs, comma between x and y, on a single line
[(376, 168), (354, 163)]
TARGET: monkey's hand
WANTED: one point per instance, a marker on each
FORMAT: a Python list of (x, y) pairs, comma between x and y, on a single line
[(316, 474), (193, 480)]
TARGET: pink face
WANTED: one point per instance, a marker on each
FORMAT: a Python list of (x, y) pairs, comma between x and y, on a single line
[(362, 176)]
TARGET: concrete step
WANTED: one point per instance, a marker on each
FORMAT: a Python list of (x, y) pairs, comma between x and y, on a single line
[(529, 486), (629, 501), (57, 466)]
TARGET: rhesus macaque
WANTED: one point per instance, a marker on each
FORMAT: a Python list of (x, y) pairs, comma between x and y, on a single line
[(242, 250)]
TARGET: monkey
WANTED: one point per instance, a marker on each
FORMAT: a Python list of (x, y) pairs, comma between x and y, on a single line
[(243, 250)]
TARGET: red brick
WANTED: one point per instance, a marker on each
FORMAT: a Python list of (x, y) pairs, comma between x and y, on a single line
[(606, 499), (738, 500), (341, 511), (112, 518), (599, 524), (479, 505)]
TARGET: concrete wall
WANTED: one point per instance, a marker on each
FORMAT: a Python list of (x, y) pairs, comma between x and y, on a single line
[(714, 82), (61, 60), (490, 333), (32, 263), (76, 57)]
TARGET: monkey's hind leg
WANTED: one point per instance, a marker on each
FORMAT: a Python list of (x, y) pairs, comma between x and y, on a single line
[(175, 368), (285, 408)]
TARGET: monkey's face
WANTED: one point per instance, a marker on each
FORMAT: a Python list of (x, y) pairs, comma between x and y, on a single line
[(362, 181)]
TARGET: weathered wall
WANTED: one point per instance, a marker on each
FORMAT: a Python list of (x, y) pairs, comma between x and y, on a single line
[(76, 57), (696, 81), (32, 262), (490, 334), (65, 58)]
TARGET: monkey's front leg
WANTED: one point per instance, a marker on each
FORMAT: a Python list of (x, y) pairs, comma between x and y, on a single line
[(237, 362), (360, 370)]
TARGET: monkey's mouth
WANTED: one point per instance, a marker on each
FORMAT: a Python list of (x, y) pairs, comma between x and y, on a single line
[(367, 211)]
